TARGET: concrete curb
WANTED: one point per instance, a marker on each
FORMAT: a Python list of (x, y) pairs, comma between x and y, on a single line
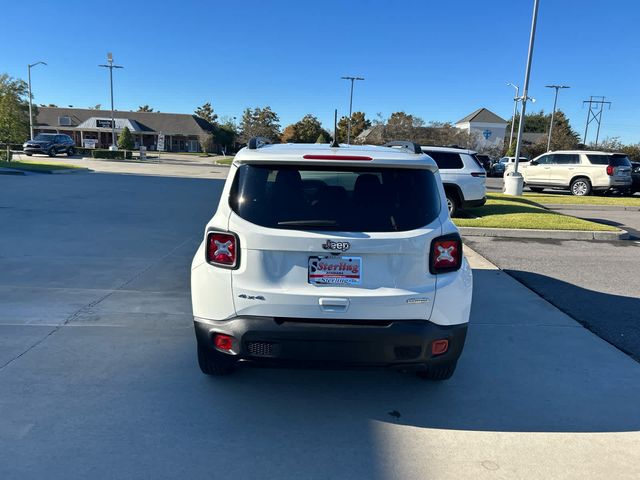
[(566, 206), (9, 171), (550, 234)]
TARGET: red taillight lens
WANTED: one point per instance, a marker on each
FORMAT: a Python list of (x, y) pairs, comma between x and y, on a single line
[(609, 170), (223, 342), (222, 249), (446, 254), (438, 347)]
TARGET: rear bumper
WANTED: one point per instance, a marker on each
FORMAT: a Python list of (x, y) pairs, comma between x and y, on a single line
[(404, 344)]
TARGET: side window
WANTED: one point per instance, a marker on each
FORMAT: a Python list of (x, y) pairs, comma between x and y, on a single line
[(545, 160), (598, 159), (446, 160), (567, 159)]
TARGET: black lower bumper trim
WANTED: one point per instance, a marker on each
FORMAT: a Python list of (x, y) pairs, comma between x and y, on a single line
[(404, 344)]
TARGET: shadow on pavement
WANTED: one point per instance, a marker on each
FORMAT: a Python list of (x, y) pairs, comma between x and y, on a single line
[(614, 318)]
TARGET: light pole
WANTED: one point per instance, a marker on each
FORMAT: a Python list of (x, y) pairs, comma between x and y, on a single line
[(111, 66), (30, 103), (515, 112), (353, 79), (513, 183), (553, 113)]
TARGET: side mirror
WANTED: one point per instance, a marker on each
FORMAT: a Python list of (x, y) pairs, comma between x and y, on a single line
[(533, 162)]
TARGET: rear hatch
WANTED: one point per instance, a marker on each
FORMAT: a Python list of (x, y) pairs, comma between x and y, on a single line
[(335, 241)]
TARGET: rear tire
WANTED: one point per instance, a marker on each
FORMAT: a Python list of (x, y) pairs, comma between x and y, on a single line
[(28, 154), (440, 372), (71, 152), (581, 187), (214, 363), (51, 152), (452, 203), (536, 189)]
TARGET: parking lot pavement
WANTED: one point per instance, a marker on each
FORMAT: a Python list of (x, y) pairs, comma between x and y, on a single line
[(99, 379), (595, 282), (167, 165)]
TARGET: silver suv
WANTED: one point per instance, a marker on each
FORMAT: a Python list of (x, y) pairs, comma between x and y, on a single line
[(463, 177), (581, 172)]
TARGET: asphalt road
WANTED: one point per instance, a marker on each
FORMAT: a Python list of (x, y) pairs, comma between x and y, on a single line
[(98, 376), (596, 283)]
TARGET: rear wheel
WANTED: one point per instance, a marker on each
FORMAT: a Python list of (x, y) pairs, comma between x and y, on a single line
[(440, 372), (452, 203), (71, 152), (536, 189), (581, 187), (28, 154), (51, 152), (214, 363)]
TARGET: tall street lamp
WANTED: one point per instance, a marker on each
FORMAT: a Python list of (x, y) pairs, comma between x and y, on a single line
[(353, 79), (513, 183), (111, 66), (30, 102), (553, 113), (515, 112)]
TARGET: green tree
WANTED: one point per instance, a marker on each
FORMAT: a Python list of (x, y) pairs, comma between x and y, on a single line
[(125, 139), (259, 122), (322, 138), (207, 142), (206, 112), (145, 108), (563, 137), (14, 110), (359, 123)]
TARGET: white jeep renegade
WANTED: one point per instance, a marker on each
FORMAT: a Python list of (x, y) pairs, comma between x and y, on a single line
[(327, 255)]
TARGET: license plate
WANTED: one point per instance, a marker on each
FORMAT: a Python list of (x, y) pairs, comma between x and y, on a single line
[(335, 270)]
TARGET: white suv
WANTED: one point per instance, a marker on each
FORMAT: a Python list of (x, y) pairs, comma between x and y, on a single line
[(331, 256), (463, 176), (579, 171)]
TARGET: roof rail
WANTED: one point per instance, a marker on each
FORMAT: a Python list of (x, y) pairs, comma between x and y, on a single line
[(257, 142), (411, 146)]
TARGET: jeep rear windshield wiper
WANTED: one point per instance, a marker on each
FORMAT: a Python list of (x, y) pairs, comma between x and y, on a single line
[(309, 223)]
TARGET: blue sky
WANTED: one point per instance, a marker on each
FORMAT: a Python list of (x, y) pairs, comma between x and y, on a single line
[(439, 60)]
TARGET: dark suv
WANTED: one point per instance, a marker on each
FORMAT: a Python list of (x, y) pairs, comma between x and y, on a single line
[(50, 144)]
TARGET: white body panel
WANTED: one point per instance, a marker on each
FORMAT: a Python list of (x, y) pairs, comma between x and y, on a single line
[(272, 277), (471, 187)]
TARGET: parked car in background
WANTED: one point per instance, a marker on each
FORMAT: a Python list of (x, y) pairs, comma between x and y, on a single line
[(485, 160), (581, 172), (50, 144), (635, 177), (331, 256), (463, 177)]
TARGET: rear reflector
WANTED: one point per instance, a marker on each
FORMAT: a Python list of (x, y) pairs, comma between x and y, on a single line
[(438, 347), (222, 249), (337, 157), (446, 254), (609, 170), (223, 342)]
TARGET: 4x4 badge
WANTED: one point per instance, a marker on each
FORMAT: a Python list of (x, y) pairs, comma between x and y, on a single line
[(331, 245)]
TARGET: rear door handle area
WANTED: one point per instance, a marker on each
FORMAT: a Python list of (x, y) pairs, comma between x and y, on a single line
[(333, 304)]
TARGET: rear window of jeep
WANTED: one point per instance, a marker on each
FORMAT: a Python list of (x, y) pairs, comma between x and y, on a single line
[(349, 199)]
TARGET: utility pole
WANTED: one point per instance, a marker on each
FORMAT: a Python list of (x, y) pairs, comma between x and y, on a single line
[(30, 102), (515, 112), (553, 113), (353, 79), (111, 66), (514, 183), (592, 115)]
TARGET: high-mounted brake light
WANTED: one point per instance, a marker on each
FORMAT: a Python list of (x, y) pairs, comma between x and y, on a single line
[(446, 254), (337, 157), (609, 170), (222, 249)]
